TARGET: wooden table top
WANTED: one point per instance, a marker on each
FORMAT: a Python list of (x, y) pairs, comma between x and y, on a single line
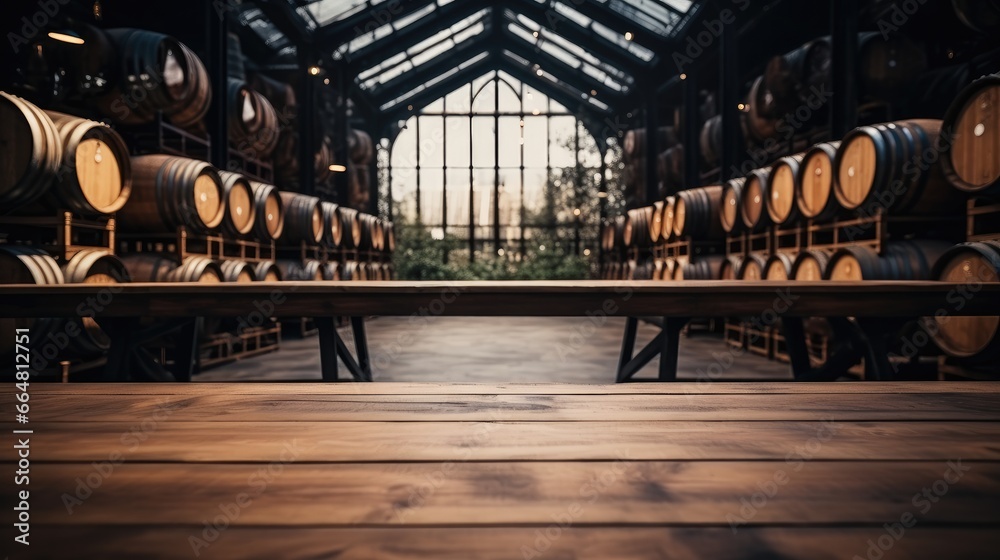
[(542, 298), (465, 471)]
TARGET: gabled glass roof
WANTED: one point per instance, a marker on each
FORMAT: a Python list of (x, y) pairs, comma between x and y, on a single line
[(593, 50)]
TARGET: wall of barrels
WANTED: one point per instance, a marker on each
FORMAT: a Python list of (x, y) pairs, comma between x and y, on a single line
[(912, 199), (118, 190)]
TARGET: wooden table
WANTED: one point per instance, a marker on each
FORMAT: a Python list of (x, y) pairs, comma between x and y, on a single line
[(881, 308), (452, 471)]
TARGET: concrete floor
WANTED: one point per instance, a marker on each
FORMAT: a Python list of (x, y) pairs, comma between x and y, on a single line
[(507, 349)]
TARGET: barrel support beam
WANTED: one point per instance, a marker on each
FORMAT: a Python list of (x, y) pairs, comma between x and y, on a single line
[(844, 35)]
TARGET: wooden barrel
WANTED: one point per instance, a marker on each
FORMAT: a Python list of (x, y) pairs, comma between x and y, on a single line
[(93, 266), (710, 141), (267, 271), (778, 267), (331, 271), (814, 191), (791, 78), (310, 270), (973, 125), (269, 222), (752, 267), (667, 218), (359, 146), (752, 206), (153, 77), (155, 267), (252, 121), (332, 234), (634, 143), (757, 122), (240, 272), (810, 266), (303, 219), (982, 16), (704, 268), (696, 213), (638, 227), (731, 211), (241, 212), (670, 168), (350, 225), (888, 65), (372, 236), (656, 227), (902, 260), (169, 192), (28, 265), (190, 110), (730, 269), (893, 167), (236, 66), (975, 339), (350, 271), (32, 152), (780, 200), (97, 176)]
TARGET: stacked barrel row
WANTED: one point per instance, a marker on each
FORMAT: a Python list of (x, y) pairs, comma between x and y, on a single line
[(669, 162), (921, 171)]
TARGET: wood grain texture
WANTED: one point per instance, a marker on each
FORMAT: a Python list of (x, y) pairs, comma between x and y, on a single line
[(622, 492), (543, 298), (430, 388), (496, 408), (507, 543), (344, 442)]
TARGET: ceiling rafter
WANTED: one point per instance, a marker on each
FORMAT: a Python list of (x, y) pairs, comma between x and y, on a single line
[(341, 32), (428, 71)]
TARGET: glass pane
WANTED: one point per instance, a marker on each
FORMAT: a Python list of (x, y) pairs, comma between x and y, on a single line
[(404, 149), (431, 183), (510, 197), (510, 141), (534, 190), (431, 145), (536, 141), (509, 100), (458, 196), (485, 101), (483, 196), (590, 155), (561, 141), (483, 138), (458, 100), (534, 102), (457, 142), (404, 192), (435, 107)]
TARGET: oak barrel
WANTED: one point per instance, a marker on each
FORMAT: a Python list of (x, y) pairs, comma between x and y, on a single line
[(901, 260), (267, 271), (731, 212), (196, 98), (31, 152), (350, 225), (240, 272), (696, 213), (811, 265), (93, 266), (752, 205), (704, 268), (975, 339), (270, 220), (752, 267), (169, 192), (29, 265), (332, 234), (241, 212), (778, 267), (972, 123), (303, 219), (781, 187), (814, 191)]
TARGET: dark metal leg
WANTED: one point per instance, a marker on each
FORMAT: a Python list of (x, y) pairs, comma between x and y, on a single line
[(361, 347), (628, 346), (646, 355), (672, 327), (798, 352), (122, 332), (877, 332), (188, 356), (328, 343), (348, 359)]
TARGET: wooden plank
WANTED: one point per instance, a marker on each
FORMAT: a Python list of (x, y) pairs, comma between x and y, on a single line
[(623, 492), (433, 388), (543, 299), (548, 541), (512, 441), (496, 408)]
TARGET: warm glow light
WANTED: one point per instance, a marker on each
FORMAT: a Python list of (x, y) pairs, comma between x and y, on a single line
[(65, 38), (326, 81), (742, 107), (576, 212), (593, 92), (586, 252), (500, 252), (684, 76), (336, 168), (628, 36), (539, 72), (535, 34), (409, 107), (536, 112), (602, 194)]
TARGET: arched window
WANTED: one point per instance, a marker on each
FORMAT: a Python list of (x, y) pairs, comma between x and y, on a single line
[(492, 165)]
